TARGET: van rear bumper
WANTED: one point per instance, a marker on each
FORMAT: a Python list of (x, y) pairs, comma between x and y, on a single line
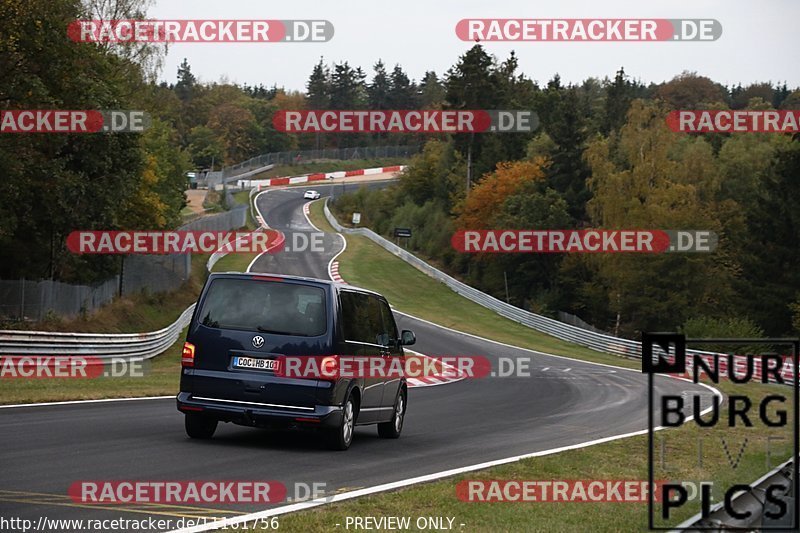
[(260, 414)]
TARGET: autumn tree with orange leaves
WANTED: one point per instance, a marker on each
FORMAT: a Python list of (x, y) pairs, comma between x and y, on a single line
[(486, 199)]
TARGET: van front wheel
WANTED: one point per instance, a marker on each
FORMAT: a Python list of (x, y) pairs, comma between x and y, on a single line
[(199, 427)]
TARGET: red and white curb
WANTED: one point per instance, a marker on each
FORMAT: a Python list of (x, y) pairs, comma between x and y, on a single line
[(334, 272), (431, 381), (259, 184)]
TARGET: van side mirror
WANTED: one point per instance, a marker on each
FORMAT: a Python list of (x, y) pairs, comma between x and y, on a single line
[(407, 338)]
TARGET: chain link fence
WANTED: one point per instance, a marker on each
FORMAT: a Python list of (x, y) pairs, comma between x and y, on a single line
[(27, 300), (304, 156)]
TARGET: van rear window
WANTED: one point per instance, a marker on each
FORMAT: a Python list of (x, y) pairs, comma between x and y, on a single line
[(270, 307)]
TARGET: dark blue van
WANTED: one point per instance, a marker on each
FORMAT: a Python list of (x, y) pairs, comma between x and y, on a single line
[(245, 324)]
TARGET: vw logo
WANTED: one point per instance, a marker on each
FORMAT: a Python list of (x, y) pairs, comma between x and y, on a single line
[(258, 341)]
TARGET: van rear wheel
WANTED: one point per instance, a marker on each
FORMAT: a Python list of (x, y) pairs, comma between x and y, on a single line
[(341, 437), (199, 426)]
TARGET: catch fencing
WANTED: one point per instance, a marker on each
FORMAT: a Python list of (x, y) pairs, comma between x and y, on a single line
[(26, 300), (293, 157)]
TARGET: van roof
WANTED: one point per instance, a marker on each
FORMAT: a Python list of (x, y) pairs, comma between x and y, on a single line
[(249, 275)]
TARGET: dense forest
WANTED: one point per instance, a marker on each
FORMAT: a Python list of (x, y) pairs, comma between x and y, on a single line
[(602, 157)]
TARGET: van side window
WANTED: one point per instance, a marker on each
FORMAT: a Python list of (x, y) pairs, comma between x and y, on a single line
[(389, 325), (361, 317)]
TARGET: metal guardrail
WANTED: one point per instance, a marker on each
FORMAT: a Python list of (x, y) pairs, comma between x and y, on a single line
[(754, 505), (101, 345)]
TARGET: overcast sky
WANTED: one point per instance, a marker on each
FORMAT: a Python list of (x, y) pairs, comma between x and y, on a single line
[(759, 40)]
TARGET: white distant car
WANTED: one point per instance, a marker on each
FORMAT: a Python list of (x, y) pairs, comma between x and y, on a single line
[(311, 195)]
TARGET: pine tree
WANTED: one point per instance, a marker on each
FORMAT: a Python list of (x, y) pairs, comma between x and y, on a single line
[(318, 87), (378, 90), (186, 82)]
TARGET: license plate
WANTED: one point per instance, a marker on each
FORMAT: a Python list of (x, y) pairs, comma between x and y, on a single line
[(255, 363)]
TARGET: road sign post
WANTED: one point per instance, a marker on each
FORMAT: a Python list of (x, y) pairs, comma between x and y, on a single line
[(401, 232)]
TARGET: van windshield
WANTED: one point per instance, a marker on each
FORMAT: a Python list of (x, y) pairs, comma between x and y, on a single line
[(270, 307)]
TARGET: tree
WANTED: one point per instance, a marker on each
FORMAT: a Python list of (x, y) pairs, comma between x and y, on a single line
[(435, 175), (477, 83), (237, 130), (346, 84), (186, 82), (567, 173), (690, 91), (764, 91), (204, 147), (431, 91), (637, 188), (378, 90), (88, 175), (318, 90), (774, 225), (148, 56), (618, 100), (487, 197), (402, 92)]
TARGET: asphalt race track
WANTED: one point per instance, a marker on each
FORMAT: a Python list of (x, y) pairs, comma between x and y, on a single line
[(564, 402)]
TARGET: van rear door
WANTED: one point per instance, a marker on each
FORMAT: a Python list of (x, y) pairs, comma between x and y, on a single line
[(242, 328)]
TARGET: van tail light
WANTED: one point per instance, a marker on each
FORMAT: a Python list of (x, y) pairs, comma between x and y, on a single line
[(187, 358)]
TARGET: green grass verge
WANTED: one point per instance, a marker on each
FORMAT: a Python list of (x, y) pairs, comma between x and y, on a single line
[(368, 265), (316, 213), (233, 263)]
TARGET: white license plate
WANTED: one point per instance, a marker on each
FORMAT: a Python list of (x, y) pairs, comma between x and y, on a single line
[(255, 363)]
